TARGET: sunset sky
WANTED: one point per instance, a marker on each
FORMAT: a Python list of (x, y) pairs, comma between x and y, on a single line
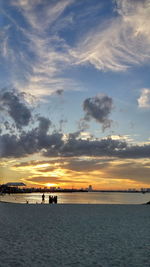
[(75, 93)]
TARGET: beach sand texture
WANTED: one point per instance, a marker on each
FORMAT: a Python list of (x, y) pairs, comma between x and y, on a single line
[(74, 235)]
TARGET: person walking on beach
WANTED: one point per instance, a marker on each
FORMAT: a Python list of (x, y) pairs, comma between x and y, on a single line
[(43, 198)]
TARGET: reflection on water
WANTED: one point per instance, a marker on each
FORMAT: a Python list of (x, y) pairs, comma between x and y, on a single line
[(81, 198)]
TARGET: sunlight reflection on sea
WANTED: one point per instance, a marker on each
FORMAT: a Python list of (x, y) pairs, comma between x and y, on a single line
[(81, 198)]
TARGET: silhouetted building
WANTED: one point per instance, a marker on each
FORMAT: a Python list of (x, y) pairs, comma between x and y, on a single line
[(90, 188)]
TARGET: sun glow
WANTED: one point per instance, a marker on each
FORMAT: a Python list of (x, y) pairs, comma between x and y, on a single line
[(49, 185)]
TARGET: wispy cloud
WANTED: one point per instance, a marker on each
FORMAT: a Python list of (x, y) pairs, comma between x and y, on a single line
[(39, 55), (42, 54), (119, 42)]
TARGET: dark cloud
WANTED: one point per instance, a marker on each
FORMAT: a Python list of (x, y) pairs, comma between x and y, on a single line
[(86, 165), (134, 171), (9, 146), (14, 105), (54, 145), (76, 147), (59, 92), (135, 151), (30, 142), (44, 124), (25, 144), (98, 108)]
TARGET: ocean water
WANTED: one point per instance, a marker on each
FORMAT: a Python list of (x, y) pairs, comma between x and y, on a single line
[(81, 198)]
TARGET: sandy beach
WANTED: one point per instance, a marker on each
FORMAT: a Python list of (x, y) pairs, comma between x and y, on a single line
[(74, 235)]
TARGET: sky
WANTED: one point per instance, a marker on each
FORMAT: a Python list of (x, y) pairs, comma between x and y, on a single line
[(75, 93)]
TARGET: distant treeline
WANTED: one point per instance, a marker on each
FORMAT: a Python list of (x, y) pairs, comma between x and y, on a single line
[(13, 190)]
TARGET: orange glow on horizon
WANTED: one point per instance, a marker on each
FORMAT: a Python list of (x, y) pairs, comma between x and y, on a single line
[(50, 185), (69, 173)]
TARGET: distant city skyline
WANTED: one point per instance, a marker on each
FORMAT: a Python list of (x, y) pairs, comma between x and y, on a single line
[(75, 93)]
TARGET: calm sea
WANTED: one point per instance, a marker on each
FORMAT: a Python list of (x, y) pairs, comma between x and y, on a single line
[(81, 198)]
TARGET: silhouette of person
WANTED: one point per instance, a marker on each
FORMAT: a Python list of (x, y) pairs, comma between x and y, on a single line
[(50, 199), (43, 197), (55, 199)]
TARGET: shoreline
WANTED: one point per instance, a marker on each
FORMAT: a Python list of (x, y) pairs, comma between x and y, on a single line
[(92, 204)]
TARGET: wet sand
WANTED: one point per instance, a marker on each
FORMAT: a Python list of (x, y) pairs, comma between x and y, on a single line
[(74, 235)]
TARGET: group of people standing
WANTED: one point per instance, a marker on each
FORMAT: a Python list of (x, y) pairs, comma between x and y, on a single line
[(52, 199)]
